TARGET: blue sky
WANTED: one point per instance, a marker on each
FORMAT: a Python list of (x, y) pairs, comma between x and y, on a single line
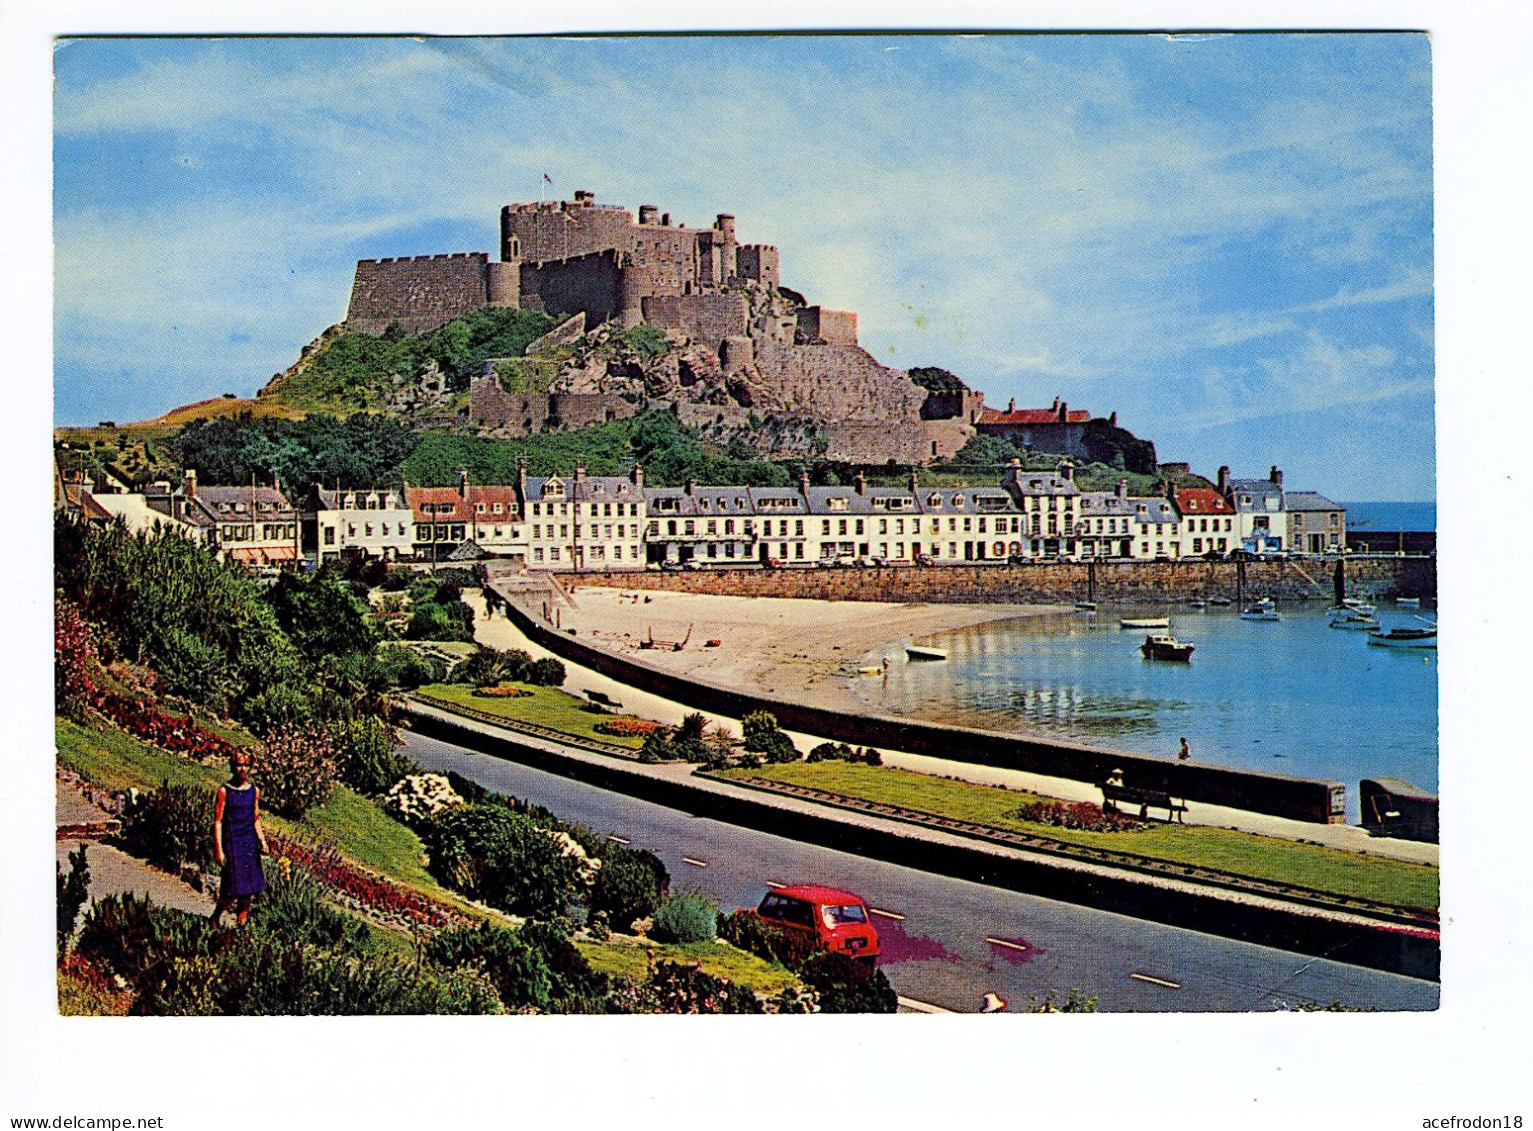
[(1226, 240)]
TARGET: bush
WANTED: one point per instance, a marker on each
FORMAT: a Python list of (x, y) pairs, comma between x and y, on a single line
[(296, 772), (493, 854), (417, 799), (366, 754), (170, 826), (657, 747), (673, 987), (766, 941), (762, 736), (845, 986), (686, 917), (547, 672), (518, 970), (70, 894), (626, 889), (285, 707), (294, 908), (75, 663)]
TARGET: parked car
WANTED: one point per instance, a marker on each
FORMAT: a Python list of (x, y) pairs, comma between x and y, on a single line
[(837, 920)]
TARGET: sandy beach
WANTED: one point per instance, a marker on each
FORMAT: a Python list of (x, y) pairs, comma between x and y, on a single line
[(804, 651)]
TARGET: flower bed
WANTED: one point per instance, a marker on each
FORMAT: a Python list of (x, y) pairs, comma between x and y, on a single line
[(501, 692), (368, 893), (1075, 815), (176, 733), (626, 726)]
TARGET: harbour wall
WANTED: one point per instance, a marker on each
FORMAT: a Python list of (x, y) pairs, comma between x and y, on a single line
[(1061, 583), (1280, 795)]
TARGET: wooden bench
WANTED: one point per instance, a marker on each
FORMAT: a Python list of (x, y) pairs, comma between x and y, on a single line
[(1146, 799)]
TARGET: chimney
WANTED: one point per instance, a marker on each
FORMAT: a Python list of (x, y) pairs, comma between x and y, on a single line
[(463, 484), (1067, 471), (862, 483), (1055, 406), (189, 483), (638, 476), (580, 472), (1011, 405), (521, 478), (1224, 480), (1064, 412), (1276, 476), (913, 483), (1112, 420), (803, 482), (691, 486)]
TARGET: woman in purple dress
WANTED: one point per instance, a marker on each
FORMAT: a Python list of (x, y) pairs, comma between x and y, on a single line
[(238, 842)]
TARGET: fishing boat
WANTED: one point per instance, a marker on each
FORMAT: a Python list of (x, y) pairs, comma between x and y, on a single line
[(1408, 602), (917, 653), (1354, 620), (1262, 609), (1085, 606), (1163, 646), (1401, 636), (1352, 605), (1145, 622), (1220, 601), (1198, 603)]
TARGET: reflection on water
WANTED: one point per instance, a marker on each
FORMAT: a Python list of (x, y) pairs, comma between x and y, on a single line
[(1293, 696)]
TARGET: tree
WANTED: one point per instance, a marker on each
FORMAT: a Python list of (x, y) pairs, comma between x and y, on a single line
[(762, 736)]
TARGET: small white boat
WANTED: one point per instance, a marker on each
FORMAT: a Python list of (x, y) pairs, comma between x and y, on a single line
[(1145, 622), (1085, 606), (1403, 637), (1353, 605), (919, 654), (1408, 602), (1262, 609)]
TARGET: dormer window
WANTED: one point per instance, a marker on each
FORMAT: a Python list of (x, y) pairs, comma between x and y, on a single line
[(934, 500), (836, 503), (958, 500)]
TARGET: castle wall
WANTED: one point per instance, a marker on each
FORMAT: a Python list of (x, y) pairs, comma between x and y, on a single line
[(840, 383), (419, 293), (577, 410), (1055, 439), (834, 327), (590, 284), (758, 263), (543, 232), (490, 406), (708, 319)]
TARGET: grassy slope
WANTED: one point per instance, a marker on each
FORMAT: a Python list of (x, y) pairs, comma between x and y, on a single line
[(1270, 858), (546, 707), (363, 832)]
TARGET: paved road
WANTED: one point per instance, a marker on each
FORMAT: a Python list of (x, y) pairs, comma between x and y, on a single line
[(953, 940)]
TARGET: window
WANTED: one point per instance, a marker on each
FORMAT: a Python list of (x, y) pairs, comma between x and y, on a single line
[(859, 526), (798, 526), (537, 553)]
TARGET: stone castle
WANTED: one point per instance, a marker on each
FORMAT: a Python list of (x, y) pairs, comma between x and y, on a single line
[(745, 349)]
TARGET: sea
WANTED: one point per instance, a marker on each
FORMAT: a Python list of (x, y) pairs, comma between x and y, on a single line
[(1391, 516), (1291, 697)]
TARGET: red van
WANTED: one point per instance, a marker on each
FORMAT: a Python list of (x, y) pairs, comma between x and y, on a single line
[(838, 920)]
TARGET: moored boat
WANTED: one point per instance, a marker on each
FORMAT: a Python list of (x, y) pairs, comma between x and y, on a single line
[(1408, 602), (921, 654), (1163, 646), (1145, 622), (1085, 606), (1401, 636), (1262, 609), (1353, 620), (1352, 605)]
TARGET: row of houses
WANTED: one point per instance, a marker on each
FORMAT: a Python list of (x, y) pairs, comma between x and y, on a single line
[(592, 522)]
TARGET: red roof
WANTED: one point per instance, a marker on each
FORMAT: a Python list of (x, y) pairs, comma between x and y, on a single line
[(1032, 416), (816, 893), (1202, 500), (462, 510)]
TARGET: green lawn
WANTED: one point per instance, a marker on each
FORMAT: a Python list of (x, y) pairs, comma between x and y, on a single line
[(626, 957), (546, 707), (1246, 854)]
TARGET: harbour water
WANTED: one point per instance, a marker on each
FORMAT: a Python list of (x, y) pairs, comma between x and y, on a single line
[(1293, 696)]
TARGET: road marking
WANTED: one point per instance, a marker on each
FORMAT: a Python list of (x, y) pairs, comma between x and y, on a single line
[(1003, 942), (1157, 981), (619, 839), (694, 863), (886, 914), (775, 884), (915, 1006)]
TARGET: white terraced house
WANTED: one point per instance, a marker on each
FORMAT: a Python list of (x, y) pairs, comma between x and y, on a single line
[(587, 522), (376, 524)]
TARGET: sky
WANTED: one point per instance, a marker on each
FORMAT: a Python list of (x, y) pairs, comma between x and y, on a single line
[(1226, 240)]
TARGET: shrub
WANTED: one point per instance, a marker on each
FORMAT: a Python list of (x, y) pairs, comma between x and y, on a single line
[(845, 986), (767, 941), (75, 662), (366, 754), (763, 737), (70, 893), (415, 800), (626, 889), (657, 747), (673, 987), (518, 970), (296, 772), (686, 917), (830, 752), (293, 907), (170, 826), (491, 853), (693, 726), (285, 707), (547, 672)]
